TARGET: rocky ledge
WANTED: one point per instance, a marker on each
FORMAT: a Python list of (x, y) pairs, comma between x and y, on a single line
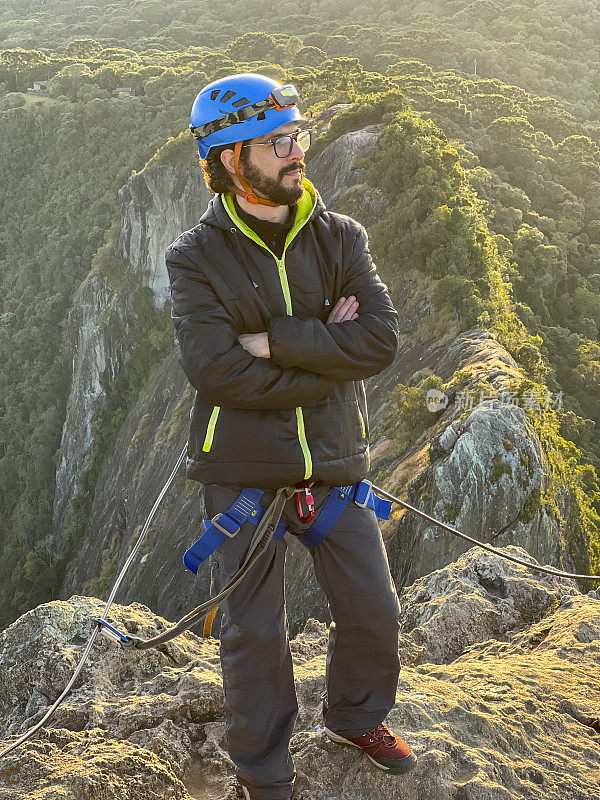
[(498, 695)]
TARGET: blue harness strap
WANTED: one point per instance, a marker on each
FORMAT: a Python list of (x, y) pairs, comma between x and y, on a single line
[(247, 508), (226, 525), (363, 495), (325, 520)]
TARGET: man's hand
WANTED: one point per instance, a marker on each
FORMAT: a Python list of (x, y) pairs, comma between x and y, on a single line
[(257, 344), (344, 310)]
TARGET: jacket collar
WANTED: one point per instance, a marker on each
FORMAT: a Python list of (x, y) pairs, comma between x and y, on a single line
[(221, 210)]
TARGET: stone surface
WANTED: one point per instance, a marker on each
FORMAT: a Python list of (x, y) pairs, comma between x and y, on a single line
[(98, 353), (481, 470), (335, 166), (158, 204), (498, 697)]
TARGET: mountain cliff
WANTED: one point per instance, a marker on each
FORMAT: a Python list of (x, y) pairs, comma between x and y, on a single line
[(155, 203)]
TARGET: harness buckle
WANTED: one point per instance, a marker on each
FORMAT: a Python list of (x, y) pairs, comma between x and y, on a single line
[(366, 500), (221, 528), (309, 500)]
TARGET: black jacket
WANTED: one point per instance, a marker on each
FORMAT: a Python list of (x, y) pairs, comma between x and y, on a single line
[(302, 413)]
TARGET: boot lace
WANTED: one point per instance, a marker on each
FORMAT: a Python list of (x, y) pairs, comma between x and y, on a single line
[(383, 736)]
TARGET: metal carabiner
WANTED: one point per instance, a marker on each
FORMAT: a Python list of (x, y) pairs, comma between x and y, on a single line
[(304, 486)]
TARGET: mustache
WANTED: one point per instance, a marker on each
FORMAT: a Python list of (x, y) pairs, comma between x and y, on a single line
[(293, 168)]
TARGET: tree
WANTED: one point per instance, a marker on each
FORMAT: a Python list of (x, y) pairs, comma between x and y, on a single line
[(256, 47), (83, 48), (18, 64)]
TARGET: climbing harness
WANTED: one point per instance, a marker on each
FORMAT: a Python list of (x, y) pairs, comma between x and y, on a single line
[(268, 526), (247, 508)]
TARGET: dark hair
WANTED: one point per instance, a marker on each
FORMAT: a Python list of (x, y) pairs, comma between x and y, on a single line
[(216, 176)]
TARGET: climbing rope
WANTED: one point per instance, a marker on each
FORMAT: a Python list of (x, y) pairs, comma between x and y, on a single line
[(450, 529), (97, 629)]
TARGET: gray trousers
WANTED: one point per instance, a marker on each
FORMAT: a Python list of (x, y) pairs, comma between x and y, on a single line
[(362, 664)]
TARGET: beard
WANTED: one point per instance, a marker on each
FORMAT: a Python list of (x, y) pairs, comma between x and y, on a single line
[(273, 188)]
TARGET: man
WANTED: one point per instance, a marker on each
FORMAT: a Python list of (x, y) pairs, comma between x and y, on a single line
[(280, 315)]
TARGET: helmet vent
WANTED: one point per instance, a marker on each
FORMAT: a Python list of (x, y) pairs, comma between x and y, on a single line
[(227, 96), (214, 94), (244, 101), (261, 116)]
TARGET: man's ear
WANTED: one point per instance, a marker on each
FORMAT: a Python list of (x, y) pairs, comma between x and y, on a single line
[(228, 160)]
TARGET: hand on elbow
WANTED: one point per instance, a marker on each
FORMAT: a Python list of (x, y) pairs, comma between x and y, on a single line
[(344, 310), (257, 344)]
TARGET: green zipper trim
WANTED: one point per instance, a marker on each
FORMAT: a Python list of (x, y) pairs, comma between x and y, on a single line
[(362, 421), (284, 285), (304, 443), (210, 431), (304, 210)]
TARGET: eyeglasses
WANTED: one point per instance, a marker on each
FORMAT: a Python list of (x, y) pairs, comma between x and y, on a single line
[(283, 144)]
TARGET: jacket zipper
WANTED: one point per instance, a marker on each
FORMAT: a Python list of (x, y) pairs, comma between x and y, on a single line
[(288, 307), (299, 416), (210, 431)]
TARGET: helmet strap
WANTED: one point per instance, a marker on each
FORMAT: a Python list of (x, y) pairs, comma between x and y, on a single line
[(248, 194)]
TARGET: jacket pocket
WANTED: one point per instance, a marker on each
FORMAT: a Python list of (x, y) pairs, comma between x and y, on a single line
[(210, 429)]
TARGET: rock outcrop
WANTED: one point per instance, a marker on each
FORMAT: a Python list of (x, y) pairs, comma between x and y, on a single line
[(484, 472), (498, 696), (157, 205), (98, 353)]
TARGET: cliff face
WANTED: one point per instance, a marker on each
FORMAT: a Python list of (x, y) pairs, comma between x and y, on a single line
[(156, 203), (456, 474), (97, 354), (497, 697), (483, 472)]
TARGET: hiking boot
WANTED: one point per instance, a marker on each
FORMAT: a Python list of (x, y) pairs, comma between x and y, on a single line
[(385, 749), (247, 795)]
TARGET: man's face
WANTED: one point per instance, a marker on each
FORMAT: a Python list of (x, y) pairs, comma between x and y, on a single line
[(277, 179)]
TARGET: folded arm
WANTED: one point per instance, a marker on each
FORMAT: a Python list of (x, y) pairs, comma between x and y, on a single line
[(343, 351), (215, 363)]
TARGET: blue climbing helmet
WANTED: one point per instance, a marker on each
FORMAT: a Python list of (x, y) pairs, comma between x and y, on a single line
[(240, 107)]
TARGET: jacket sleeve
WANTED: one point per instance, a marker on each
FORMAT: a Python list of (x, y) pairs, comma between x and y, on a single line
[(214, 361), (343, 351)]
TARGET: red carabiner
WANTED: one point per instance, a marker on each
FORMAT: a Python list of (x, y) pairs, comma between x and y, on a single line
[(304, 487)]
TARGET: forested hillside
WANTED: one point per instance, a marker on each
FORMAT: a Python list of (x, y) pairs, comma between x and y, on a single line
[(543, 46), (489, 165)]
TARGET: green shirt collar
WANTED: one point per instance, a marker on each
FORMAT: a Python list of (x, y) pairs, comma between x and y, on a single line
[(305, 206)]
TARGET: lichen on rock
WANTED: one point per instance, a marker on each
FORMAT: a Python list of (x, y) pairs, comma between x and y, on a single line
[(497, 695)]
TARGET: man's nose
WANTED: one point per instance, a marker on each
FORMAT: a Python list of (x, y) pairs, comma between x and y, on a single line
[(297, 153)]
